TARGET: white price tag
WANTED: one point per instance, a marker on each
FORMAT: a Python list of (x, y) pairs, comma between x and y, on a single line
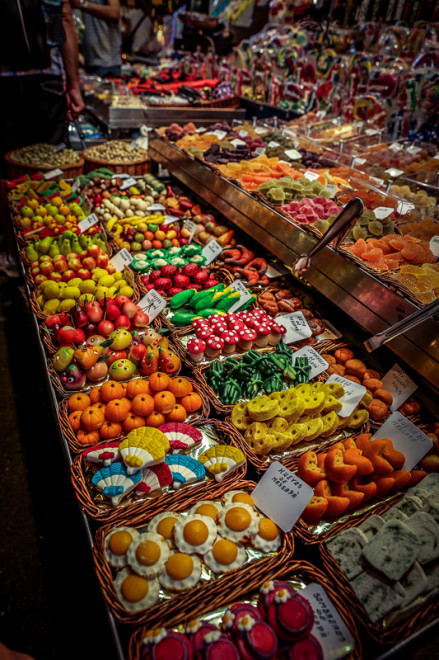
[(382, 212), (404, 207), (329, 628), (259, 151), (59, 147), (260, 130), (152, 304), (128, 183), (296, 326), (75, 185), (121, 259), (284, 162), (273, 144), (156, 207), (394, 172), (242, 133), (200, 129), (436, 157), (414, 150), (244, 295), (238, 143), (358, 161), (88, 222), (219, 134), (332, 188), (396, 146), (311, 176), (316, 362), (371, 131), (282, 496), (211, 251), (434, 245), (53, 173), (352, 396), (399, 385), (406, 437), (133, 143), (379, 182), (191, 228), (293, 154), (170, 219)]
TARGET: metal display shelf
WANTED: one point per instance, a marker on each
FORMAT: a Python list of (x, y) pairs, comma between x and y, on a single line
[(370, 303)]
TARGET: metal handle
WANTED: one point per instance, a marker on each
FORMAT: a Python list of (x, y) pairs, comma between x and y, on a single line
[(402, 326), (343, 221)]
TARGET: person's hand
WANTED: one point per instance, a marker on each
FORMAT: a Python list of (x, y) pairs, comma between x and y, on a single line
[(75, 102)]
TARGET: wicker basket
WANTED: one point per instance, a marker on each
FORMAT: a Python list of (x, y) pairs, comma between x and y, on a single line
[(300, 571), (391, 634), (135, 168), (169, 612), (77, 448), (15, 170), (181, 498)]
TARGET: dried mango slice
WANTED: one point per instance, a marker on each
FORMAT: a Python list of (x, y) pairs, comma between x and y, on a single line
[(314, 403), (277, 425), (314, 429), (331, 404), (330, 424), (262, 408), (336, 389)]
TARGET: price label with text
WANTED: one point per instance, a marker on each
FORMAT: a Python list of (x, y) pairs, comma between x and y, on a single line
[(75, 185), (88, 222), (121, 259), (382, 212), (329, 628), (128, 183), (293, 154), (358, 161), (316, 362), (311, 176), (260, 130), (156, 207), (53, 173), (394, 172), (219, 134), (399, 385), (352, 396), (396, 146), (260, 151), (414, 150), (404, 207), (282, 496), (59, 147), (211, 251), (332, 188), (244, 295), (406, 437), (434, 245), (170, 219), (296, 326), (191, 227), (273, 144), (242, 134), (152, 304), (237, 142)]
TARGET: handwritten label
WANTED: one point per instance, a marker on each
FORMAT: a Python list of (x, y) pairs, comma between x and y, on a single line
[(371, 131), (211, 251), (59, 147), (316, 362), (406, 437), (311, 176), (75, 185), (260, 151), (128, 183), (394, 172), (88, 222), (382, 212), (191, 228), (352, 396), (414, 150), (282, 496), (379, 182), (237, 142), (242, 134), (329, 628), (396, 146), (358, 161), (434, 245), (332, 189), (156, 207), (200, 129), (404, 207), (273, 144), (53, 173), (293, 154), (244, 295), (296, 325), (219, 134), (260, 130), (399, 385), (152, 304), (169, 219), (121, 259)]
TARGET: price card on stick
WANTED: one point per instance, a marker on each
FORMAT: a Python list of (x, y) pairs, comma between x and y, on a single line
[(293, 154), (170, 219), (191, 228), (121, 259), (434, 245), (53, 173), (399, 385), (244, 295), (296, 325), (317, 363), (282, 496), (406, 437), (88, 222), (311, 176), (352, 396), (152, 304), (59, 147), (211, 251), (237, 142), (128, 183), (156, 207), (76, 185), (382, 212)]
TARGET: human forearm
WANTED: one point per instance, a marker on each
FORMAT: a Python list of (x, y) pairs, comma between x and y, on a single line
[(109, 12), (69, 54)]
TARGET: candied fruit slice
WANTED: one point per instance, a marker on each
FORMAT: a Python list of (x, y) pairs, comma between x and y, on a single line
[(397, 242), (414, 253), (375, 228), (407, 280), (426, 296), (375, 254)]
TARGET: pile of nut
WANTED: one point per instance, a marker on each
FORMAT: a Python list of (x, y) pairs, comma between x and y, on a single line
[(116, 151), (43, 155)]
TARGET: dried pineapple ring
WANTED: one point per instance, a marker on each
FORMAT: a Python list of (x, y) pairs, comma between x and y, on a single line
[(282, 441), (240, 417), (314, 428), (292, 406), (314, 403), (260, 446), (256, 430), (330, 424), (303, 390), (358, 418), (335, 389), (262, 408), (277, 425), (297, 432), (331, 404)]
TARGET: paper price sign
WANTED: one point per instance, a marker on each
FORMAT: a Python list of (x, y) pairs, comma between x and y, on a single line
[(434, 245), (219, 134), (260, 151), (273, 144), (53, 173), (399, 385), (242, 134), (282, 496), (76, 185), (191, 228), (332, 188), (296, 327), (152, 304), (237, 142), (244, 295), (260, 130), (133, 143), (156, 207), (358, 161), (406, 437), (414, 150), (121, 259), (128, 183), (316, 362), (311, 176), (404, 207), (200, 129), (329, 628), (59, 147), (293, 154), (382, 212), (169, 219), (371, 131), (396, 146), (352, 396), (211, 251), (88, 222), (394, 172)]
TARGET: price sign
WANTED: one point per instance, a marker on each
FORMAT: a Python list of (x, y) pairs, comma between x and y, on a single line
[(152, 304), (59, 147), (406, 437), (282, 496), (121, 259), (311, 176), (211, 251), (260, 130), (53, 173), (133, 143), (434, 245), (293, 154), (237, 142), (414, 150), (352, 396), (88, 222), (394, 172), (219, 134), (329, 628), (273, 144), (358, 161), (396, 146), (379, 182), (332, 188), (156, 207), (191, 228), (371, 131), (316, 362), (242, 134), (170, 219), (382, 212), (244, 295), (75, 185), (200, 129), (399, 385), (296, 326), (404, 207), (260, 151), (128, 183)]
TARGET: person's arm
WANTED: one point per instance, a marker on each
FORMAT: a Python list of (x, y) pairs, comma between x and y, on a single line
[(69, 54), (109, 12)]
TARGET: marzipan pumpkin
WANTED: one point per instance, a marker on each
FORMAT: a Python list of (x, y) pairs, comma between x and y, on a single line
[(79, 401), (117, 409), (95, 395), (191, 402), (180, 387), (75, 420), (132, 422), (87, 438), (177, 414), (137, 386), (155, 419), (111, 390), (142, 404), (159, 381), (164, 401), (92, 419), (110, 430)]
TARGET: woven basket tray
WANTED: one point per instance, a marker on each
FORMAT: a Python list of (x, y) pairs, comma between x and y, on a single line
[(137, 167), (77, 448), (169, 612), (300, 571), (16, 170), (390, 634), (185, 496)]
